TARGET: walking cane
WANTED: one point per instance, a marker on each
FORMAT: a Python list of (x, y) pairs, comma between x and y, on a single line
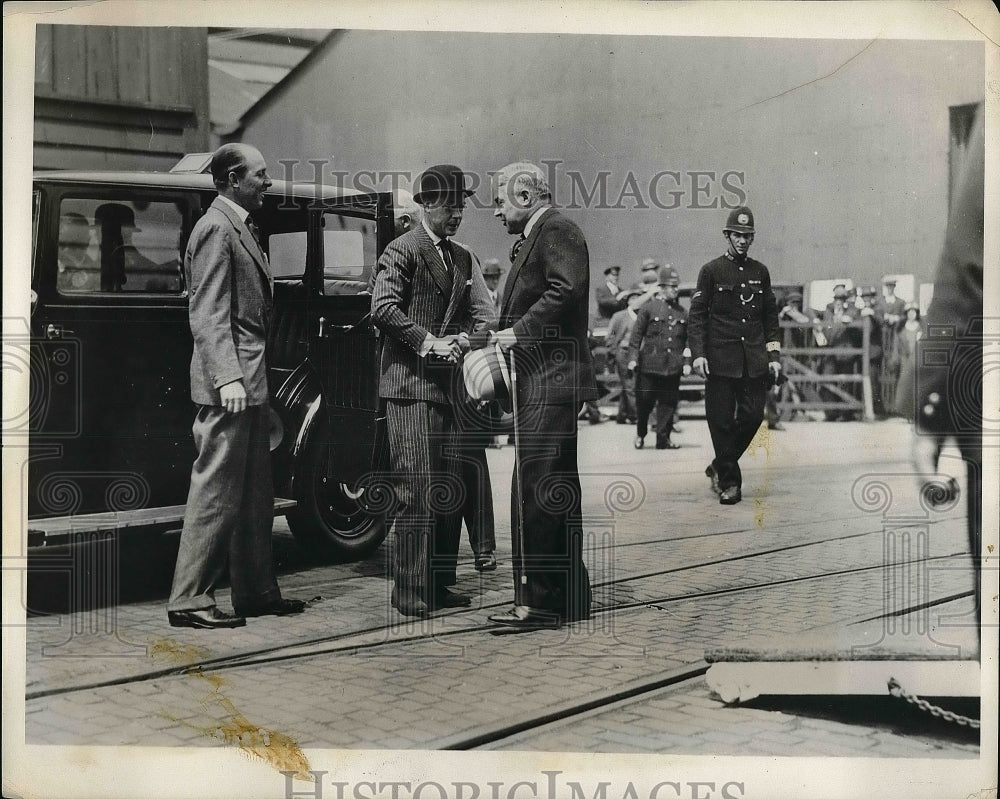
[(518, 488)]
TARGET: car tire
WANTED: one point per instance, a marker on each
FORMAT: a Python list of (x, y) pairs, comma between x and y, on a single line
[(331, 521)]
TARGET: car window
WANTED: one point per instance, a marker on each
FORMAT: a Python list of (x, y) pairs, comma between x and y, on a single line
[(287, 254), (349, 253), (120, 245)]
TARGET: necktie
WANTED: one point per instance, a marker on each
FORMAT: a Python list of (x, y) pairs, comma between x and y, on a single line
[(446, 255), (516, 247), (254, 231)]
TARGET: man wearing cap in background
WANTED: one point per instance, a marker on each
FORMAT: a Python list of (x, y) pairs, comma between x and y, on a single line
[(801, 337), (619, 334), (838, 289), (837, 319), (735, 341), (892, 311), (421, 304), (659, 354), (869, 309), (609, 295), (491, 274)]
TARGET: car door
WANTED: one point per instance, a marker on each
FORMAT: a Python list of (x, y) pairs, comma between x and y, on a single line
[(110, 405)]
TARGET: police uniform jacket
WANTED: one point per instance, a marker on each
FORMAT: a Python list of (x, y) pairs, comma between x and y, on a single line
[(733, 320), (659, 337)]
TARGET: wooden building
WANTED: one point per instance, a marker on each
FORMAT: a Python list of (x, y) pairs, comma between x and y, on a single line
[(119, 97)]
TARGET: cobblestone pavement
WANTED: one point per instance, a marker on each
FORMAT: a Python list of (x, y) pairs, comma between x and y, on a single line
[(674, 572)]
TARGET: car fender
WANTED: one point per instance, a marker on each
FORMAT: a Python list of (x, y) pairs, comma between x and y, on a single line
[(300, 404)]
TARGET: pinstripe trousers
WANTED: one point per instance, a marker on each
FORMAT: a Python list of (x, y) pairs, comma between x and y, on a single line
[(429, 493)]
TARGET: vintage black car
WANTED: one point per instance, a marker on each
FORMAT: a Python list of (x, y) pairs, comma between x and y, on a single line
[(110, 410)]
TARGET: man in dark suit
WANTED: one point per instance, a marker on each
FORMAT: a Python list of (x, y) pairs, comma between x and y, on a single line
[(609, 296), (735, 341), (230, 506), (543, 320), (492, 274), (421, 304), (941, 388)]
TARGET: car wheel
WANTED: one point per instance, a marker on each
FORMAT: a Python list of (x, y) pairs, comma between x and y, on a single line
[(331, 519)]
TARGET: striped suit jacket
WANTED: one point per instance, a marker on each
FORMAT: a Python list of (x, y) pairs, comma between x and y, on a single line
[(414, 295)]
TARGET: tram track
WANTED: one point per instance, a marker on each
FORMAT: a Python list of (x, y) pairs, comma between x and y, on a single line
[(353, 641)]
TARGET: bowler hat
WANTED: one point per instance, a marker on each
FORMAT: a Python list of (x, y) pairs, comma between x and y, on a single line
[(116, 214), (486, 376), (443, 180), (491, 268)]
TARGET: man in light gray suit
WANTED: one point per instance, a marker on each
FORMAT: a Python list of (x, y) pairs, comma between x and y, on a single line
[(230, 507), (422, 304)]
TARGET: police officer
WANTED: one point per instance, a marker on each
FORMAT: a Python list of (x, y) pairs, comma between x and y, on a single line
[(658, 351), (735, 341)]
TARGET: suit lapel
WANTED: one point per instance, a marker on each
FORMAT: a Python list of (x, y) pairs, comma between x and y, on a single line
[(246, 239), (459, 284), (521, 259), (432, 260)]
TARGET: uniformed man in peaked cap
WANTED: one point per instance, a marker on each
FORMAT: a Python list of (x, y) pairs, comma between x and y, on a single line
[(658, 351), (735, 342)]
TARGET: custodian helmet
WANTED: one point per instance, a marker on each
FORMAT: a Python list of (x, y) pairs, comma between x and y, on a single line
[(740, 221), (668, 276)]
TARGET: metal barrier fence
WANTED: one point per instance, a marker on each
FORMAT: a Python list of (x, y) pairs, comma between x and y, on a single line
[(826, 378)]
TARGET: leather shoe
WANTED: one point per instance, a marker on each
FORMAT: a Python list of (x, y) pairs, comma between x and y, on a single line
[(409, 603), (204, 619), (730, 496), (714, 475), (639, 443), (280, 607), (527, 618), (444, 598), (486, 562)]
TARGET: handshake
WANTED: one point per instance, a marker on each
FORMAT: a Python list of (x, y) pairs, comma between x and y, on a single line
[(449, 348)]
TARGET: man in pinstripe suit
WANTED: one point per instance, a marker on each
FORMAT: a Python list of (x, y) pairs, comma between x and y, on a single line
[(421, 303)]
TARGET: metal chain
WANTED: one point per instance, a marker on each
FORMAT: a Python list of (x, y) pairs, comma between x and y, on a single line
[(897, 690)]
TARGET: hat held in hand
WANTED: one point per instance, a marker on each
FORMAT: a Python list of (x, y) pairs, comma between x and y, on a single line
[(486, 376)]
